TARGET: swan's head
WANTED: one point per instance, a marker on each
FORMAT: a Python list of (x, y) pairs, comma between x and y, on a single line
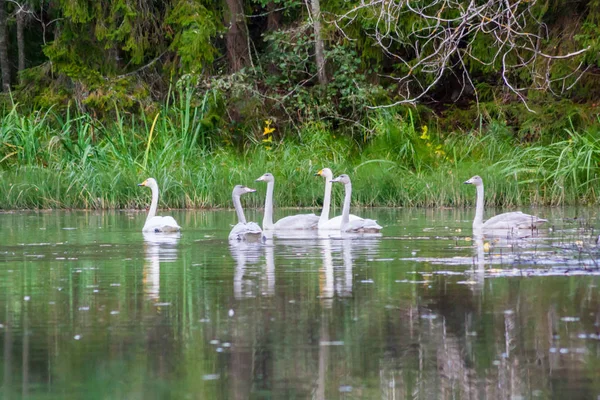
[(345, 179), (150, 182), (268, 177), (476, 180), (325, 173), (239, 190)]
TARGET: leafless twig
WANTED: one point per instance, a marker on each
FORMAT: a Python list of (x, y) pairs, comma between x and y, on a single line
[(446, 37)]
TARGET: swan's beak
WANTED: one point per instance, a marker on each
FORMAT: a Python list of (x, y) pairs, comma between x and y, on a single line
[(319, 173), (142, 184), (467, 182), (250, 190), (260, 179)]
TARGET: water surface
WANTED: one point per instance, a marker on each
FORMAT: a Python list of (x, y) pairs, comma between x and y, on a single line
[(92, 308)]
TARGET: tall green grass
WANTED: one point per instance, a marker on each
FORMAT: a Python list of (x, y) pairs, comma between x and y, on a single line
[(49, 160)]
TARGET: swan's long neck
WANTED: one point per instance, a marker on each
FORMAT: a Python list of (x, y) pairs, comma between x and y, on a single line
[(154, 204), (268, 218), (346, 210), (238, 208), (326, 202), (478, 221)]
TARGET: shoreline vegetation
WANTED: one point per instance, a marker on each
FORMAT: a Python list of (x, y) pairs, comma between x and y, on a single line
[(77, 162), (410, 100)]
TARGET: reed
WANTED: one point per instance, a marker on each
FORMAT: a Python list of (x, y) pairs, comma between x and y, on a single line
[(74, 161)]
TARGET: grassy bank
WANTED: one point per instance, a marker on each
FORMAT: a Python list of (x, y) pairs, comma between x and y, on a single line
[(74, 161)]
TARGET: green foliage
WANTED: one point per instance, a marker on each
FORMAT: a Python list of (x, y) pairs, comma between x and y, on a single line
[(564, 168), (194, 28)]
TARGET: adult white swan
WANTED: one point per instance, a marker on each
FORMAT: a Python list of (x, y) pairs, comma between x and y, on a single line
[(293, 222), (155, 223), (324, 222), (243, 230), (359, 224), (505, 221)]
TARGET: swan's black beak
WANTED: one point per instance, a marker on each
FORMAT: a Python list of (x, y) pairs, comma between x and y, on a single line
[(141, 184), (317, 174), (466, 183)]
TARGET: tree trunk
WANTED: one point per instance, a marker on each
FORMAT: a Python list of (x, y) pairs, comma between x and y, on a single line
[(238, 52), (273, 17), (21, 21), (319, 47), (4, 63)]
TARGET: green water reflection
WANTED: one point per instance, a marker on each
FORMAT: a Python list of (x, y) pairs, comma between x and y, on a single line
[(92, 308)]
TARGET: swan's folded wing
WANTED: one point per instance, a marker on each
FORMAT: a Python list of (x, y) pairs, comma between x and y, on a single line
[(336, 222), (161, 224), (513, 220), (301, 221), (246, 231), (363, 225)]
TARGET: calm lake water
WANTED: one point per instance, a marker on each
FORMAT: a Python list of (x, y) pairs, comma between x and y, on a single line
[(92, 308)]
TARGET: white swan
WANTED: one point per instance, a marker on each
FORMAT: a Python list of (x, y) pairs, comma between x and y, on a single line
[(357, 225), (505, 221), (243, 230), (324, 222), (293, 222), (155, 223)]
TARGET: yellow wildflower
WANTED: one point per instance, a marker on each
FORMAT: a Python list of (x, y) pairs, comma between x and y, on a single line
[(268, 130), (424, 134)]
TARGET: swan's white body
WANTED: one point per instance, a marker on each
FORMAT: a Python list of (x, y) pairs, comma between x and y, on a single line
[(293, 222), (506, 221), (249, 231), (156, 223), (335, 223), (359, 224)]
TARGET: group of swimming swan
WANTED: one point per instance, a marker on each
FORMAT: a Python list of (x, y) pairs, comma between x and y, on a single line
[(345, 223)]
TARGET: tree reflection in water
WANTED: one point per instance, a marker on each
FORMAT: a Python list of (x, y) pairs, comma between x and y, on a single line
[(109, 315)]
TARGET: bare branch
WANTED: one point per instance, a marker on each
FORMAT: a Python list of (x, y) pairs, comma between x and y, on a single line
[(444, 39)]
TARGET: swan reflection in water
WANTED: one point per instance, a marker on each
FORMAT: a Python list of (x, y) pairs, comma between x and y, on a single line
[(338, 280), (157, 247), (245, 284), (334, 280), (501, 249)]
